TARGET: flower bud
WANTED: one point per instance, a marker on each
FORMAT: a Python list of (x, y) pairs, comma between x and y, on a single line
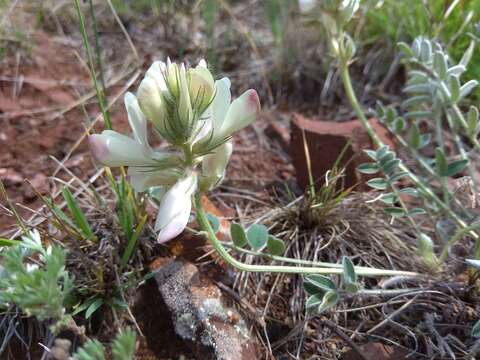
[(201, 87)]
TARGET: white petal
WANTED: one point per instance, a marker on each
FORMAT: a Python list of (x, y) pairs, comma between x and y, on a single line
[(214, 164), (136, 119), (175, 207), (142, 179), (150, 100), (241, 113), (176, 225), (114, 149), (202, 63), (157, 72), (203, 127), (221, 102)]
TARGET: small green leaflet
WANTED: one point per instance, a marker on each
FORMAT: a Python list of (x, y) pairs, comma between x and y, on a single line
[(237, 233), (214, 222), (320, 282), (275, 246), (257, 236), (319, 304)]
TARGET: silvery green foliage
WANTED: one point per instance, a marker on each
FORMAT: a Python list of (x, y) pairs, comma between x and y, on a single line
[(434, 78), (434, 91), (386, 163), (123, 348), (34, 278), (435, 87), (324, 294)]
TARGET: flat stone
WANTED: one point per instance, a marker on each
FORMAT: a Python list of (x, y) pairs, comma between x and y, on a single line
[(326, 140)]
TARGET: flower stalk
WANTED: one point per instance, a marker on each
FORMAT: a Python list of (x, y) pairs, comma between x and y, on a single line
[(229, 259)]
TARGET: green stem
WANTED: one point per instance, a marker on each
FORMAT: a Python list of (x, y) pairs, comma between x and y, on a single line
[(378, 143), (100, 96), (217, 245), (289, 260)]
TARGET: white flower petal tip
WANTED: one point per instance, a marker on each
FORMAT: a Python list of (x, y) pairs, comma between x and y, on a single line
[(253, 102), (174, 228), (98, 147), (202, 63), (174, 210), (113, 149)]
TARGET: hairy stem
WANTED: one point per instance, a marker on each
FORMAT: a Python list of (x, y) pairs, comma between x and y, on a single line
[(224, 254)]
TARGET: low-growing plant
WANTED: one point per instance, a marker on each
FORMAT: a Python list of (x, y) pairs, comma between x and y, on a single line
[(122, 348), (33, 277)]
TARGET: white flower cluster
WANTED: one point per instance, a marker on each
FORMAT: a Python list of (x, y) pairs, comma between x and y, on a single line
[(196, 116)]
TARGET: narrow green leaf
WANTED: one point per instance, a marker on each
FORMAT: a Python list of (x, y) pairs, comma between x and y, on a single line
[(372, 154), (467, 88), (237, 233), (378, 183), (93, 307), (368, 168), (78, 215), (379, 109), (395, 212), (409, 191), (132, 241), (456, 167), (424, 140), (467, 55), (390, 116), (456, 70), (418, 114), (352, 288), (330, 299), (440, 64), (454, 88), (322, 283), (349, 275), (389, 198), (472, 121), (397, 176), (441, 165), (414, 101), (399, 125), (8, 242), (403, 47), (275, 246), (390, 166), (418, 88), (414, 136), (257, 236), (313, 302), (381, 152), (416, 211)]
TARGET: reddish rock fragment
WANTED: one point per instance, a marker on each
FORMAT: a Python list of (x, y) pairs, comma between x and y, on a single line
[(326, 140)]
